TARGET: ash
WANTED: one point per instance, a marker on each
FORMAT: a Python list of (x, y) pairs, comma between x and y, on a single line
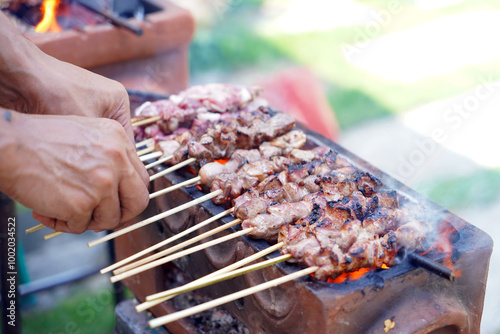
[(213, 321)]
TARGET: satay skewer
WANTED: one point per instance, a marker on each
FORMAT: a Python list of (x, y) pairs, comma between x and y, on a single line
[(229, 298), (152, 155), (51, 235), (34, 228), (177, 247), (166, 242), (146, 121), (219, 278), (146, 142), (160, 297), (159, 161), (146, 150), (173, 168), (155, 218), (175, 187), (175, 256)]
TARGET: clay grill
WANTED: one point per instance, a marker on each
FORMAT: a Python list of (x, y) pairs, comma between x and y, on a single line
[(416, 299), (155, 61)]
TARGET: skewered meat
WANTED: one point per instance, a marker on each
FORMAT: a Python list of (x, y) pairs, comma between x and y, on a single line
[(327, 212)]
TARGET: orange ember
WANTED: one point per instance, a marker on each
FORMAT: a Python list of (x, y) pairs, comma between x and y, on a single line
[(49, 22), (191, 170), (444, 246), (352, 276), (222, 161)]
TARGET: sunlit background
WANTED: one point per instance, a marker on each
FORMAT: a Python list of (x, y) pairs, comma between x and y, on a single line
[(411, 86)]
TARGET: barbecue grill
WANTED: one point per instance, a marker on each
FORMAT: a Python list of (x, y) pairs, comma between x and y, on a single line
[(414, 299)]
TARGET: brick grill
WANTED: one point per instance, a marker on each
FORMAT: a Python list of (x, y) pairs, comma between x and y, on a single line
[(417, 300)]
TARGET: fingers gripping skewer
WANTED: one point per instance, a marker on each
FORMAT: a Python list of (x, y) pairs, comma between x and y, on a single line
[(154, 218), (166, 242), (177, 247), (173, 168), (175, 187), (160, 297), (178, 255), (229, 298)]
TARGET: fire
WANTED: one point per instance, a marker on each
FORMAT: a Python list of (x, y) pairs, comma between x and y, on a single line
[(444, 245), (49, 22), (353, 275)]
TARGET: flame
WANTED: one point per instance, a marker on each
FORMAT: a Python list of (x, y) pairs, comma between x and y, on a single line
[(49, 22), (443, 245), (352, 276)]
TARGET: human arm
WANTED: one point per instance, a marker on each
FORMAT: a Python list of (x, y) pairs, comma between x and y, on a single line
[(81, 172)]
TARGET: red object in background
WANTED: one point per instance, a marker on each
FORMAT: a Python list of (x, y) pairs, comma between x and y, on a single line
[(299, 92)]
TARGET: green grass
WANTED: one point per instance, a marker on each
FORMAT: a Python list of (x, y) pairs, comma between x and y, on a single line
[(81, 313), (480, 188)]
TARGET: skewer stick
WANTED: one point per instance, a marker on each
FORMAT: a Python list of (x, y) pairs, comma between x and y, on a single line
[(229, 275), (160, 297), (159, 161), (175, 187), (152, 155), (146, 150), (175, 256), (154, 218), (34, 228), (145, 142), (173, 168), (229, 298), (177, 247), (146, 121), (421, 261), (166, 242), (51, 235)]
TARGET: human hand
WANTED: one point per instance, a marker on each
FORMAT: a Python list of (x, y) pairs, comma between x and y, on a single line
[(76, 173), (36, 83)]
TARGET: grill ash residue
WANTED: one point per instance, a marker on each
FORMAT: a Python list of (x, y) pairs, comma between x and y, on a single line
[(213, 321)]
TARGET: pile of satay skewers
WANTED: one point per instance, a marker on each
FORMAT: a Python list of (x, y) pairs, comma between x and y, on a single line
[(313, 205)]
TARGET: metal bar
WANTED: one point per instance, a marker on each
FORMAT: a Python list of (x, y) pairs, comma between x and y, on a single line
[(115, 19), (432, 266)]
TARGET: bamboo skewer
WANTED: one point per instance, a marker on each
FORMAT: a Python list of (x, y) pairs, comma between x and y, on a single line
[(152, 155), (146, 121), (177, 247), (34, 228), (175, 187), (229, 298), (145, 142), (51, 235), (159, 161), (155, 218), (166, 242), (175, 256), (226, 276), (145, 150), (160, 297), (173, 168)]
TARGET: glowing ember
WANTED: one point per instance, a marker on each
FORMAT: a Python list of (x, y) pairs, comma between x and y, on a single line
[(222, 161), (444, 246), (49, 22)]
